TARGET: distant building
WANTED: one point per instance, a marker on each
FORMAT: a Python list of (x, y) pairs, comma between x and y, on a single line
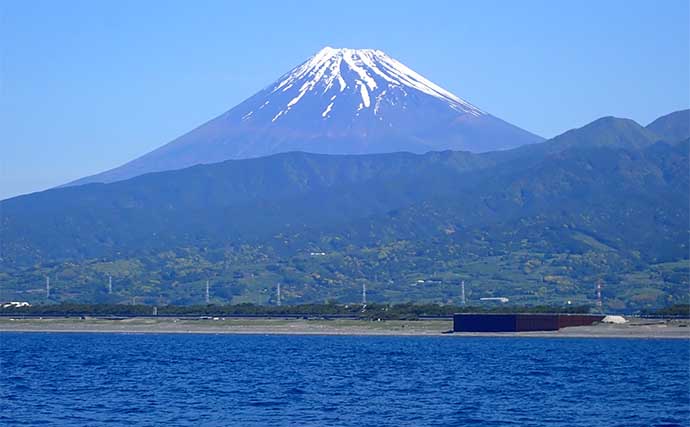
[(16, 304), (429, 280), (497, 299), (468, 322)]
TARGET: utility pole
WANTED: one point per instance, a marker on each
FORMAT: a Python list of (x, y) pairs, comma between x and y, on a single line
[(279, 302), (600, 304), (462, 292), (207, 293), (47, 286), (110, 284)]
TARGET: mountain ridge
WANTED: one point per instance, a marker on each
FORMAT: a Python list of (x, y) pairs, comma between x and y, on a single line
[(673, 127), (238, 182)]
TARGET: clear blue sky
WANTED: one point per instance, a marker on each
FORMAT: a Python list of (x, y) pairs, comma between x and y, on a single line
[(88, 85)]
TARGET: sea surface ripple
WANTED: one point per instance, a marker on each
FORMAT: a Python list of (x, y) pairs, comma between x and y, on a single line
[(74, 379)]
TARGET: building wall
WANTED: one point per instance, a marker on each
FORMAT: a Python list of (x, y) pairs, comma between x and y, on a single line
[(519, 322)]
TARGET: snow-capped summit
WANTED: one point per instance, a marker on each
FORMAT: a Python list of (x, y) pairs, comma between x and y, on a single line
[(377, 78), (339, 101)]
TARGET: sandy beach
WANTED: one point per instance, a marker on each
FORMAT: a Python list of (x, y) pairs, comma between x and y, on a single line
[(636, 328)]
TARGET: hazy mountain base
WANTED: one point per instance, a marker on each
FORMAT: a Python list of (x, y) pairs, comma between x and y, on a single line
[(539, 224)]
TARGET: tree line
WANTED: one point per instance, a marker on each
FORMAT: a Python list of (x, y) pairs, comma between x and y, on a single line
[(405, 311)]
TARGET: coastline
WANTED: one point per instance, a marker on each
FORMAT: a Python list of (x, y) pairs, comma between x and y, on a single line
[(635, 329)]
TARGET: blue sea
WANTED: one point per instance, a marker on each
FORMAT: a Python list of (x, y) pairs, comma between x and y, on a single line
[(229, 380)]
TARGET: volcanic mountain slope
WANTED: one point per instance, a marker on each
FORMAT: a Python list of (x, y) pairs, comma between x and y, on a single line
[(340, 101)]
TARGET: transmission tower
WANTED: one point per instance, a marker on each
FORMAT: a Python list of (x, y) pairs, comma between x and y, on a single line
[(207, 296), (600, 303)]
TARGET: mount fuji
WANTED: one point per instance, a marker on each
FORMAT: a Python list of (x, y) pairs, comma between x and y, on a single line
[(339, 101)]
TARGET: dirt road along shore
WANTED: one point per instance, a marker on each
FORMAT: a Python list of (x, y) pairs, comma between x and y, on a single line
[(636, 328)]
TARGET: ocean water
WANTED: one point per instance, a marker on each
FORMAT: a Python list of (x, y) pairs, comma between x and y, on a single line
[(226, 380)]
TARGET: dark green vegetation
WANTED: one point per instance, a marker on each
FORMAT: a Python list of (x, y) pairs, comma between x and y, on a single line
[(672, 127), (539, 224), (680, 310), (372, 311)]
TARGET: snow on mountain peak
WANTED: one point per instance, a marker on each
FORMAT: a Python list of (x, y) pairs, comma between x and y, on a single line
[(370, 75), (339, 101)]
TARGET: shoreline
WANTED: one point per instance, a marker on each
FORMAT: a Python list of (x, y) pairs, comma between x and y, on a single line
[(553, 335), (635, 329)]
